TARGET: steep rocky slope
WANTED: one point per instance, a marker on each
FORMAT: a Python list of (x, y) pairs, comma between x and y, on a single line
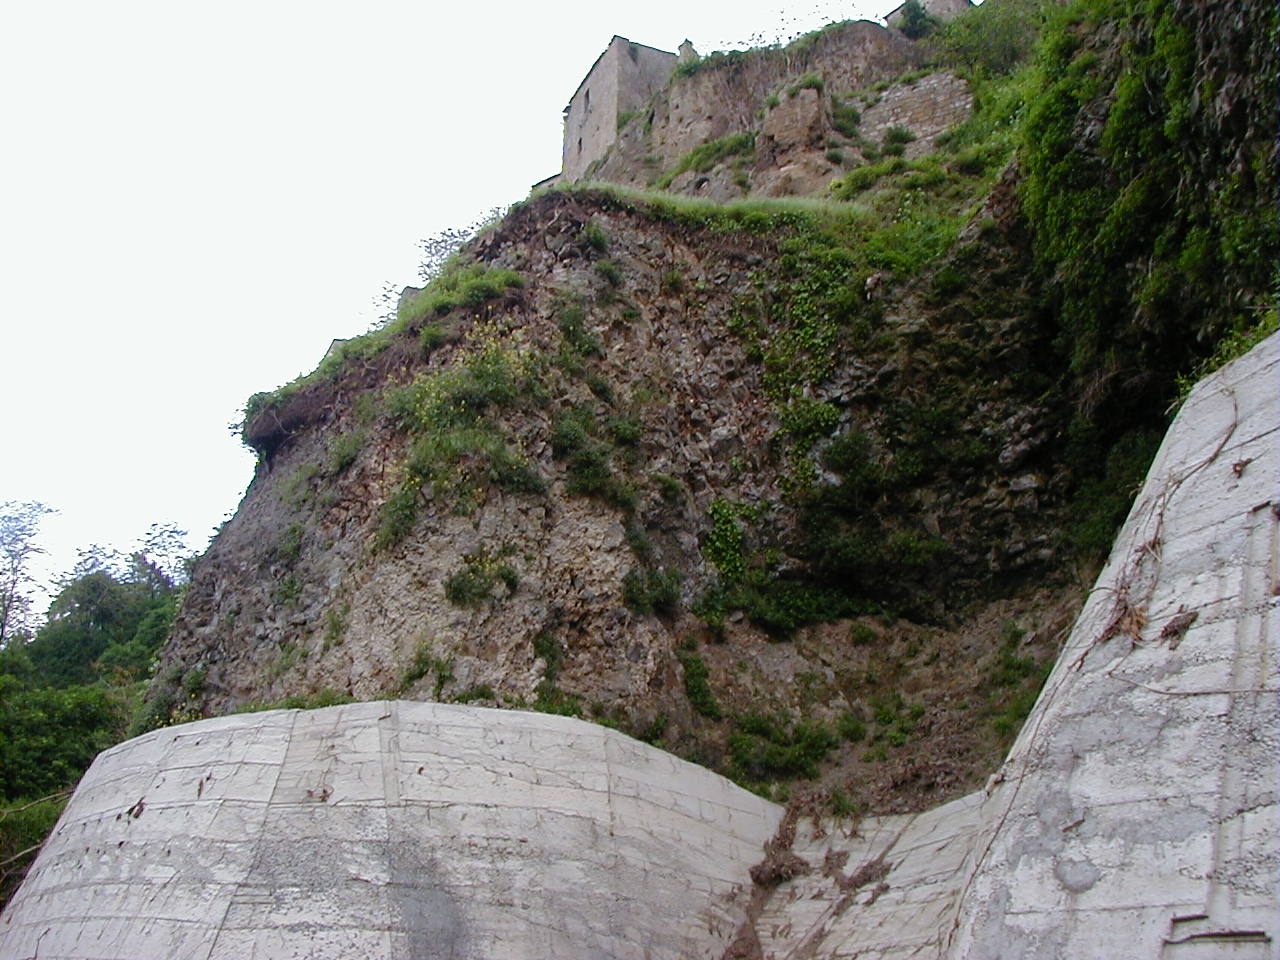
[(633, 450), (794, 489), (786, 121)]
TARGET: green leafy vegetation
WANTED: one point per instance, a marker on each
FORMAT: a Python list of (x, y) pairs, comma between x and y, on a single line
[(1141, 289), (705, 156), (326, 697), (479, 691), (718, 60), (548, 647), (851, 727), (1236, 342), (590, 452), (343, 450), (593, 238), (458, 450), (626, 116), (458, 284), (335, 625), (810, 81), (647, 589), (552, 699), (71, 683), (896, 718), (767, 747), (52, 734), (289, 545), (474, 584), (578, 339), (845, 117), (427, 663), (989, 40), (724, 545), (896, 134), (471, 285), (915, 21), (1016, 681), (697, 682), (433, 336), (24, 824), (609, 272)]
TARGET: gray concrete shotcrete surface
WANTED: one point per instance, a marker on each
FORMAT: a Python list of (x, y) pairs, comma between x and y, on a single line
[(390, 829)]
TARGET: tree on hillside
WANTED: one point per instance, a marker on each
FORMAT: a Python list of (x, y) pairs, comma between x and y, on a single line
[(990, 40), (68, 692), (917, 22), (18, 525), (112, 613)]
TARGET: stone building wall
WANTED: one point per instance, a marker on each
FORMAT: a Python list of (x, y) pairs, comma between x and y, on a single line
[(622, 79), (927, 107)]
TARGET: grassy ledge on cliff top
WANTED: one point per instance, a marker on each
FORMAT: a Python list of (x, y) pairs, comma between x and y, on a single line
[(974, 152)]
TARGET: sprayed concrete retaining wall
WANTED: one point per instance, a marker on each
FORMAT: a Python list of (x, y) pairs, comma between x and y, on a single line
[(1136, 815), (396, 830)]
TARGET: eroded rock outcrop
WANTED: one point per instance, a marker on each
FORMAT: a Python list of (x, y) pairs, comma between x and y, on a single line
[(642, 349)]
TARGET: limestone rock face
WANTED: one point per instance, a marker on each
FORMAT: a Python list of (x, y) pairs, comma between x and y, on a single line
[(798, 121), (391, 830)]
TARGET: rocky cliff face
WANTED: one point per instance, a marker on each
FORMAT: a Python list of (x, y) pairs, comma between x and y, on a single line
[(802, 115), (792, 489), (658, 506), (411, 829)]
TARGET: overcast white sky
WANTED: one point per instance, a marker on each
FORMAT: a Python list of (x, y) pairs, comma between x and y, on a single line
[(196, 198)]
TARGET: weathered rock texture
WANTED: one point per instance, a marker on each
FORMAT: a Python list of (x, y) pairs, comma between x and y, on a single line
[(391, 830), (1135, 815), (621, 80), (294, 596), (765, 92)]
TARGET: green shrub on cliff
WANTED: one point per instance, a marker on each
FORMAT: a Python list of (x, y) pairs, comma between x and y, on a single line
[(705, 156), (467, 286)]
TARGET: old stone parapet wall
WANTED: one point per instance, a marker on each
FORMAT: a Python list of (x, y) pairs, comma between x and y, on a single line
[(730, 98), (795, 134), (718, 101), (391, 829), (927, 107)]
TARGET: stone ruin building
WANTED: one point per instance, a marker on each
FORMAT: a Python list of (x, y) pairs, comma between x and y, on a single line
[(622, 79)]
